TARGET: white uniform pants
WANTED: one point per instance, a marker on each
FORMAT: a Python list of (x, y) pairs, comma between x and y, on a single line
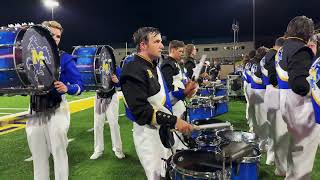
[(112, 114), (261, 126), (150, 151), (250, 115), (279, 131), (50, 137), (297, 112)]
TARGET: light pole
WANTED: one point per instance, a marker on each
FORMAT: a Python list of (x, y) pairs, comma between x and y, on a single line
[(235, 28), (51, 4), (254, 24)]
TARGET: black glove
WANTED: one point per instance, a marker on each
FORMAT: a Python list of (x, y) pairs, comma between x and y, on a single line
[(166, 136)]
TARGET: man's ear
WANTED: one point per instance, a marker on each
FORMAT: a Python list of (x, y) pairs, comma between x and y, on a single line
[(143, 45)]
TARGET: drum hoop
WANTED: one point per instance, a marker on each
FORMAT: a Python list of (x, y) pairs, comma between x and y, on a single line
[(55, 53), (98, 50), (110, 50), (253, 159), (16, 52)]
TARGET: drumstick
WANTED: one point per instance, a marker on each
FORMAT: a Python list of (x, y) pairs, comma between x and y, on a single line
[(212, 126), (198, 67)]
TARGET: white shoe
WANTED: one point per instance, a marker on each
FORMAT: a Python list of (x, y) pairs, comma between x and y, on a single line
[(29, 159), (119, 154), (96, 155), (90, 130)]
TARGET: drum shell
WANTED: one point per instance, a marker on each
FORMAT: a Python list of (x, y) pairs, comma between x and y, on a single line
[(90, 63), (29, 60), (192, 165)]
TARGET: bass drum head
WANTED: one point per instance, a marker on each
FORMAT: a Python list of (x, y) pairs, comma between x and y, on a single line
[(106, 64), (198, 164), (40, 58)]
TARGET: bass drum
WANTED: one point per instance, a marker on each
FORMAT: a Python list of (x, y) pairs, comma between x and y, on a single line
[(29, 60), (96, 64)]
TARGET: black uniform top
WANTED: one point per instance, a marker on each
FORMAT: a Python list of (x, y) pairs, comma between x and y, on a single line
[(215, 71), (169, 68), (297, 60), (139, 80), (258, 72), (189, 64), (271, 67)]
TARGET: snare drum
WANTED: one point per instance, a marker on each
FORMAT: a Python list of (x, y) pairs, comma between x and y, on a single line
[(29, 60), (198, 165), (206, 91), (205, 139), (96, 65), (227, 136), (248, 167), (200, 108), (221, 104)]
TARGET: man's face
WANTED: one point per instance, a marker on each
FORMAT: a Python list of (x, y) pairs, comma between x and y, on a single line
[(153, 47), (56, 34), (177, 53), (313, 47), (194, 51)]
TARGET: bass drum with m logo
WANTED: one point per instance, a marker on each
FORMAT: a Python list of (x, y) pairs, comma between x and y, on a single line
[(96, 64), (29, 60)]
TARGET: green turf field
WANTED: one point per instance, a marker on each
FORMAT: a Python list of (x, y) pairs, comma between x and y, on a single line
[(14, 149), (15, 104)]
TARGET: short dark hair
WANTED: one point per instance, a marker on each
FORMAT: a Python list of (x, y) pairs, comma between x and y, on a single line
[(142, 35), (261, 52), (279, 41), (175, 44), (300, 27), (252, 53)]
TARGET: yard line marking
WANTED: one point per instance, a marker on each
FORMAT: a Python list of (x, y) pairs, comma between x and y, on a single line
[(4, 113)]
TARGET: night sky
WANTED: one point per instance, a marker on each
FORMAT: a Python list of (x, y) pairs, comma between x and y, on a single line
[(114, 21)]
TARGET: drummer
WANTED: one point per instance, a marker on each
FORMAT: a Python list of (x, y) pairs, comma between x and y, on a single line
[(176, 81), (148, 101), (47, 129), (107, 105), (190, 61), (175, 78)]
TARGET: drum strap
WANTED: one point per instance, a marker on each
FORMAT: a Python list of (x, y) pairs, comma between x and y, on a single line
[(102, 94), (45, 103)]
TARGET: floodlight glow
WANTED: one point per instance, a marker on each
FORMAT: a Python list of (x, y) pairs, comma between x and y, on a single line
[(51, 3)]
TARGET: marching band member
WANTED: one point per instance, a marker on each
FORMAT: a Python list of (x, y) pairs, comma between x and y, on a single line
[(148, 101), (190, 61), (107, 105), (279, 131), (293, 62), (47, 129)]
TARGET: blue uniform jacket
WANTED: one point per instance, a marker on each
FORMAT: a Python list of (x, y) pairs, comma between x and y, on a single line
[(70, 75)]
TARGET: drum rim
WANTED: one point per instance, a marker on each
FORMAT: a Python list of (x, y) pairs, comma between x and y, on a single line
[(195, 174), (18, 51), (240, 132), (54, 47)]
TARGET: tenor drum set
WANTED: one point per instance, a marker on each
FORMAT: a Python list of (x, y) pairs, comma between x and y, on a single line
[(215, 151)]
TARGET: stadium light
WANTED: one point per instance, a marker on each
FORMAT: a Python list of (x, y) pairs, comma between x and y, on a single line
[(51, 4)]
